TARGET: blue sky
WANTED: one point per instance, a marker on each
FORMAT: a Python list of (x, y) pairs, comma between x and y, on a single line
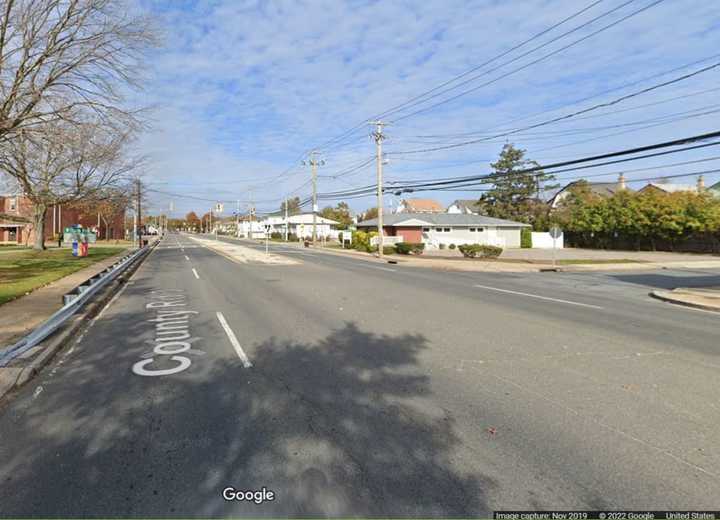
[(242, 89)]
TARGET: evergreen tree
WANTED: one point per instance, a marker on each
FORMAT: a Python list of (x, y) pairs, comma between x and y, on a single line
[(515, 194)]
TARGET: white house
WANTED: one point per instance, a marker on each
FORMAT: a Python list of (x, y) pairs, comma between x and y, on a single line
[(301, 226), (434, 229), (251, 229)]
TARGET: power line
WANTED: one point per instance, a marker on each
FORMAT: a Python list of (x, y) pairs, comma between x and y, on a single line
[(596, 95), (563, 117), (412, 101), (544, 168), (534, 62)]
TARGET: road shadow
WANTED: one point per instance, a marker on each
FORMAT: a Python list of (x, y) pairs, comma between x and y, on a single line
[(668, 281), (343, 426)]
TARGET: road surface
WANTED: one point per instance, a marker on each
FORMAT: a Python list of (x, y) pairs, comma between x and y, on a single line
[(347, 387)]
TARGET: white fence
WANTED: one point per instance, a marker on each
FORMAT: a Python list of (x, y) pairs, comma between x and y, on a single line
[(545, 241)]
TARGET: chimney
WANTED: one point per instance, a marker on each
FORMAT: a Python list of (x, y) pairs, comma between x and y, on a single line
[(700, 184), (621, 182)]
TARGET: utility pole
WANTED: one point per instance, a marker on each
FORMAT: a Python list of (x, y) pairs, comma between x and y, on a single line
[(139, 213), (314, 163), (378, 135), (251, 217), (287, 224), (237, 221)]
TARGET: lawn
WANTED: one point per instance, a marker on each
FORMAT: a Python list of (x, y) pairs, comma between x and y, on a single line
[(25, 270)]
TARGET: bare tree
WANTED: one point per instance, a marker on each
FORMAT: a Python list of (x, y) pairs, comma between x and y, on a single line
[(62, 58), (64, 162), (107, 204)]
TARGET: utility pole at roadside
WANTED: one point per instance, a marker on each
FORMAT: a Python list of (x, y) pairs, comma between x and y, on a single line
[(287, 224), (138, 186), (314, 163), (378, 135), (237, 221)]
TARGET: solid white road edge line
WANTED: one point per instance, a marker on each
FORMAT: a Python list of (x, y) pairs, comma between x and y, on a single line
[(235, 343), (196, 274), (538, 297)]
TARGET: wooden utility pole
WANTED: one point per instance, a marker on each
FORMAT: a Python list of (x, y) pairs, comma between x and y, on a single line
[(378, 135), (314, 163), (139, 212)]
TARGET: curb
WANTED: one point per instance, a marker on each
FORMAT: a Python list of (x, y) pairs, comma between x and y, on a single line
[(51, 346), (660, 295)]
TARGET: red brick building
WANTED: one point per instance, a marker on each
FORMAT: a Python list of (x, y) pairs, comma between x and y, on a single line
[(16, 221)]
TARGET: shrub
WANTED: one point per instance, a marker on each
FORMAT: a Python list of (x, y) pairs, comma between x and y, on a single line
[(442, 246), (406, 248), (292, 237), (469, 250), (361, 241), (481, 250), (491, 251), (276, 235), (526, 238), (403, 248), (388, 250), (452, 246)]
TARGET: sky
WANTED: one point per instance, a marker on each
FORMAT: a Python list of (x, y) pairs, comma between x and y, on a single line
[(241, 91)]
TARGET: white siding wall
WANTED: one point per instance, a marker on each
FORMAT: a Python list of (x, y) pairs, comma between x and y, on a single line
[(511, 236), (462, 235)]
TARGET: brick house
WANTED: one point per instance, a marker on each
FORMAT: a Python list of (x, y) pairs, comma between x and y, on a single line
[(16, 221)]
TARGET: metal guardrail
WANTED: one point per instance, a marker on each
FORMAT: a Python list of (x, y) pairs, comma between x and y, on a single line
[(72, 303)]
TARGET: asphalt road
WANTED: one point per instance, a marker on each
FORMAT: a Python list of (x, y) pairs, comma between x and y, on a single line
[(353, 388)]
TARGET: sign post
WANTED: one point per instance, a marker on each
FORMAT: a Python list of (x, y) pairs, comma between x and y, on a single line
[(267, 237), (555, 233), (218, 210)]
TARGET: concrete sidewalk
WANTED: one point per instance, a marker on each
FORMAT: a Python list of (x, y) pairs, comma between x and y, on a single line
[(707, 298), (18, 317)]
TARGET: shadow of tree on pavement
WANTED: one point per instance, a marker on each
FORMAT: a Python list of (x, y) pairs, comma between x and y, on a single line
[(339, 427)]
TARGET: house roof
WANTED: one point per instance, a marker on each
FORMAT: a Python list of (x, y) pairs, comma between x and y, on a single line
[(441, 219), (471, 204), (421, 205), (604, 189), (671, 188)]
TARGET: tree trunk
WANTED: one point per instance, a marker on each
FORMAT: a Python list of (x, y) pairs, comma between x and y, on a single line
[(39, 212)]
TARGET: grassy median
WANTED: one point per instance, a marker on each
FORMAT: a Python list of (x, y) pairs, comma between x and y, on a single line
[(24, 270)]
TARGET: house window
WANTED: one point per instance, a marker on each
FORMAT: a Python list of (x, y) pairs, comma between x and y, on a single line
[(472, 230), (13, 203), (446, 230), (426, 230)]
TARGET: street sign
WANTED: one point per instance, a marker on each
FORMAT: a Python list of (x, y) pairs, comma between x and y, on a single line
[(219, 207)]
